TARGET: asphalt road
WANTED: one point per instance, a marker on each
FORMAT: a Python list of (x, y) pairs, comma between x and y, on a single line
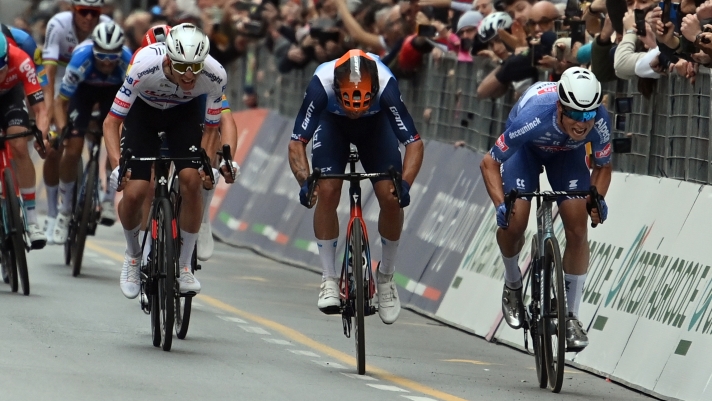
[(255, 334)]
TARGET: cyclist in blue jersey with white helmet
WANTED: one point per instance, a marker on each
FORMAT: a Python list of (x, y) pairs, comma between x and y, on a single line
[(94, 75), (355, 99), (549, 127)]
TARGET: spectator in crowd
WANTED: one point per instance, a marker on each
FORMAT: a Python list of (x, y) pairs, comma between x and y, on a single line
[(467, 35), (483, 7)]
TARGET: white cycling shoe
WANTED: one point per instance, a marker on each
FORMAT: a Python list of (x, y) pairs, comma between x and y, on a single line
[(389, 305), (108, 213), (329, 301), (61, 228), (38, 240), (206, 245), (188, 283), (130, 280)]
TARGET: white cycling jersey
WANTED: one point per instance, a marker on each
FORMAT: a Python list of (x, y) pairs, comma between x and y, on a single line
[(61, 39), (145, 79)]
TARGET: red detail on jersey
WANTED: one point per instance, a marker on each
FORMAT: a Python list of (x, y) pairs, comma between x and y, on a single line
[(20, 68), (135, 82), (416, 137), (121, 103), (605, 152), (501, 145), (548, 89), (214, 112)]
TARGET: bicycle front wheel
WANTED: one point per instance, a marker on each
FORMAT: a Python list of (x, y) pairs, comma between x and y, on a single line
[(555, 314), (536, 323), (356, 244), (18, 236), (166, 272), (83, 215)]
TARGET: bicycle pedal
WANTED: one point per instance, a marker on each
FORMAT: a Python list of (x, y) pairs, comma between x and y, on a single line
[(198, 267), (188, 294)]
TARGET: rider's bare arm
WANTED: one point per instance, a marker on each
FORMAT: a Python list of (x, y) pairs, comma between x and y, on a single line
[(298, 161)]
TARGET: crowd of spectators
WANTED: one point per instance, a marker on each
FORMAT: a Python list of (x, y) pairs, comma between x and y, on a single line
[(522, 39)]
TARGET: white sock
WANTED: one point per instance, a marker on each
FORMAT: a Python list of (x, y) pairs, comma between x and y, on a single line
[(52, 193), (66, 189), (133, 246), (147, 248), (186, 248), (28, 203), (207, 198), (327, 253), (388, 256), (512, 274), (574, 291)]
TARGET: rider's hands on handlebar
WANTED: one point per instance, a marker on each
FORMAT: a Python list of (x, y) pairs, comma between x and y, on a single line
[(597, 216), (405, 194), (502, 215), (226, 172), (304, 193), (114, 179)]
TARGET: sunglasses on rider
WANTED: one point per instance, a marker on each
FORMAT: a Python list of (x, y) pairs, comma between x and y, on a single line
[(105, 56), (88, 11), (580, 116), (182, 68)]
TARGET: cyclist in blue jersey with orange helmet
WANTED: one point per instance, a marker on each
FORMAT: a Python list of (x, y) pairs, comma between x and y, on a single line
[(355, 99), (93, 76), (549, 127)]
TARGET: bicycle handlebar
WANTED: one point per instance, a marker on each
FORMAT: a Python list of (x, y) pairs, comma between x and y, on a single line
[(316, 175), (227, 157), (127, 155), (514, 194), (33, 130)]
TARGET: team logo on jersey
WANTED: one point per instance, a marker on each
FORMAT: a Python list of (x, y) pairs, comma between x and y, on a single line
[(212, 77), (147, 71), (605, 152), (27, 68), (501, 145), (37, 58), (121, 103), (397, 117), (526, 128), (603, 131), (547, 89)]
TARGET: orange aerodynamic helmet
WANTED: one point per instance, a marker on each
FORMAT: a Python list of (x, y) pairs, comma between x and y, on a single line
[(155, 34), (355, 81)]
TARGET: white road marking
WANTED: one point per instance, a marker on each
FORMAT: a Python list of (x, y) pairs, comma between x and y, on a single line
[(277, 341), (387, 387), (91, 254), (197, 305), (360, 377), (107, 262), (305, 353), (418, 398), (329, 364), (255, 329), (231, 319)]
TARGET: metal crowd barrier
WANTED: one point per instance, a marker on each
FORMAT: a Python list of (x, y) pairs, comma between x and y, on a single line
[(669, 132)]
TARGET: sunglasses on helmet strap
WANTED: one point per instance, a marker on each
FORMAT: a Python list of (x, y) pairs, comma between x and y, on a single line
[(182, 68), (580, 116)]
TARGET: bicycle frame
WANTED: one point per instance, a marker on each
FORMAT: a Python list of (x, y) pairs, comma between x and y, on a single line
[(93, 155)]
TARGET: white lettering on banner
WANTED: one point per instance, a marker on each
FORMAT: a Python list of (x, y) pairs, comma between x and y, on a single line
[(449, 222), (603, 131), (310, 110), (526, 128), (397, 116)]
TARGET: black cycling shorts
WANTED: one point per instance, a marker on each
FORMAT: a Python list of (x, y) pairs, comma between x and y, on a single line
[(183, 125), (82, 104), (13, 111)]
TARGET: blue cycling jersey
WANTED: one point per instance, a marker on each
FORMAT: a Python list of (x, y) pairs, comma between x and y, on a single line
[(82, 69), (533, 123), (320, 97), (24, 41)]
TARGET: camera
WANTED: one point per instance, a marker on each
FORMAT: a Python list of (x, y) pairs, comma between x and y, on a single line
[(640, 22), (427, 31)]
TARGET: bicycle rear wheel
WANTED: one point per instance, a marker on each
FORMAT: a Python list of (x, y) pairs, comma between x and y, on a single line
[(356, 244), (83, 214), (183, 304), (18, 236), (555, 314), (166, 272), (536, 326), (8, 262)]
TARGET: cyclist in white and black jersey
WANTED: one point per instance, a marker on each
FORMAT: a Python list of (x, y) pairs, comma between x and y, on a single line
[(65, 31), (162, 92)]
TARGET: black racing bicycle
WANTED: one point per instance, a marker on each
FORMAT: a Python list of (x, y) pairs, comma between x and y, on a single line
[(86, 211), (183, 303), (160, 289), (357, 285), (13, 234), (545, 317)]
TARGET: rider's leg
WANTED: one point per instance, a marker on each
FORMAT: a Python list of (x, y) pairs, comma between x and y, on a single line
[(190, 192), (25, 171), (50, 175), (211, 144), (576, 254), (390, 224), (326, 225), (68, 172), (146, 212)]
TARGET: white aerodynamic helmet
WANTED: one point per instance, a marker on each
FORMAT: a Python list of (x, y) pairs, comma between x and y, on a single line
[(579, 89), (493, 22), (89, 3), (186, 43), (108, 36)]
